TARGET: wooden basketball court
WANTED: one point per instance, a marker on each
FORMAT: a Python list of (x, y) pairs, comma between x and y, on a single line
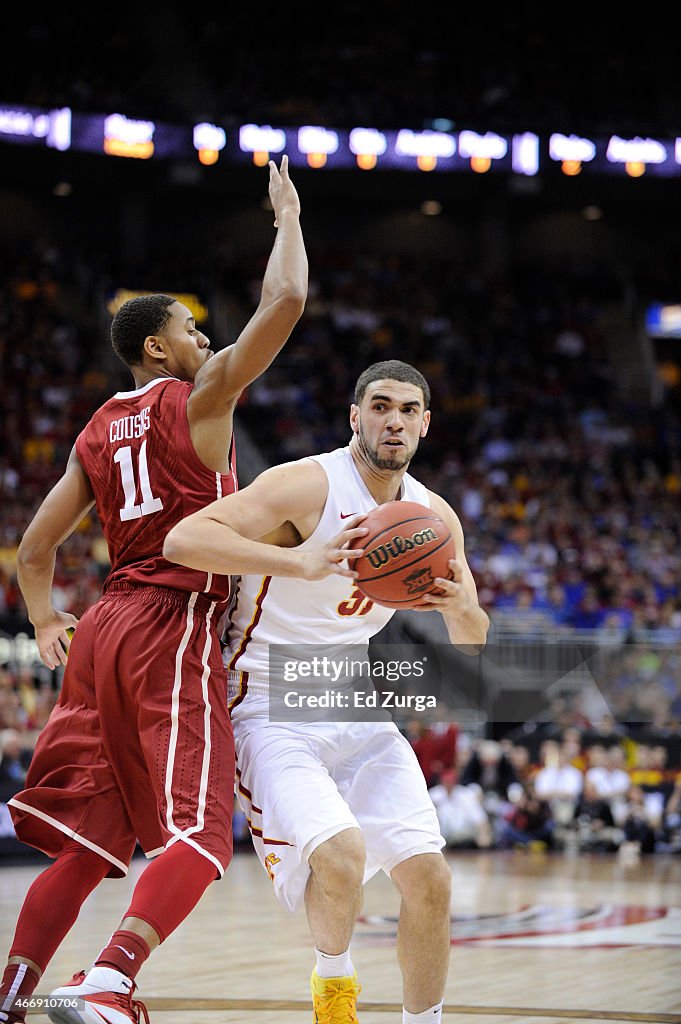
[(538, 938)]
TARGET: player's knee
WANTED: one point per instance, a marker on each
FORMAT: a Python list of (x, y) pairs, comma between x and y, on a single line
[(438, 883), (338, 863), (425, 880)]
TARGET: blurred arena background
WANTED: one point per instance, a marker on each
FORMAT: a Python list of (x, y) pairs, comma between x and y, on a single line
[(497, 203)]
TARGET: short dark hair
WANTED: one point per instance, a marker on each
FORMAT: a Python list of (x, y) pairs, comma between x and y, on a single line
[(134, 321), (392, 369)]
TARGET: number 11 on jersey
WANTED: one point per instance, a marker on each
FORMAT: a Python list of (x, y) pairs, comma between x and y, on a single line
[(132, 510)]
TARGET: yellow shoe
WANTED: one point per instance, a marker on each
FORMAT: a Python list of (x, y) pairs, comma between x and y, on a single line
[(334, 999)]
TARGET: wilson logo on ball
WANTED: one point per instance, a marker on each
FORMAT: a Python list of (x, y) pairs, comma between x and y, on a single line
[(382, 554)]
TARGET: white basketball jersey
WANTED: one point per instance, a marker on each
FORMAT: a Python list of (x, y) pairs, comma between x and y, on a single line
[(269, 610)]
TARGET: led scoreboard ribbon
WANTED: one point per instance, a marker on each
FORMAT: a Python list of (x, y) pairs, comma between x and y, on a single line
[(365, 148)]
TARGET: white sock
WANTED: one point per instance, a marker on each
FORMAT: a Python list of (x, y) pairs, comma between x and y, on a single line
[(431, 1016), (334, 966)]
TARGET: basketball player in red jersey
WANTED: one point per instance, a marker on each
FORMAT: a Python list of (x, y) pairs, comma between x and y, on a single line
[(140, 747)]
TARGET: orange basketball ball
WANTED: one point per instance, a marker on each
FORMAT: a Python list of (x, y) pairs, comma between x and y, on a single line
[(407, 546)]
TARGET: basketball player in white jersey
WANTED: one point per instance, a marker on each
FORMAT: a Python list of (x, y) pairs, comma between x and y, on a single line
[(331, 802)]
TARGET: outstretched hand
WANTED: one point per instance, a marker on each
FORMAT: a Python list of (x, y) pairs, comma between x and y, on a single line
[(283, 195), (332, 558), (54, 640)]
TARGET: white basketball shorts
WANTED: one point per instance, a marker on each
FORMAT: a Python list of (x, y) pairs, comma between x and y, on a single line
[(301, 784)]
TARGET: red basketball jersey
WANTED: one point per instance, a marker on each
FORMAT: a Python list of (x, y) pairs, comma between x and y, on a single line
[(146, 476)]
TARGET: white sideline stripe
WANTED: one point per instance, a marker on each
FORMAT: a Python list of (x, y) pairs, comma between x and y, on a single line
[(69, 832), (180, 837), (175, 715), (207, 747), (179, 834), (16, 985)]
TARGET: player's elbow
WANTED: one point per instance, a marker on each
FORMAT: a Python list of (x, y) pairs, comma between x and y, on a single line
[(176, 546), (34, 553), (286, 302), (291, 301)]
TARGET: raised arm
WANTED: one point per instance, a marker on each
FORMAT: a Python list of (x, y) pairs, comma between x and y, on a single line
[(282, 301), (221, 380), (58, 516), (257, 529), (467, 623)]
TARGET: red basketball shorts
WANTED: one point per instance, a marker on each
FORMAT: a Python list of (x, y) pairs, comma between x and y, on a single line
[(139, 747)]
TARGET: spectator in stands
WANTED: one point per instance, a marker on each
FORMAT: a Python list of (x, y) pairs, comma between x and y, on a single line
[(641, 823), (597, 772), (490, 769), (555, 604), (607, 732), (571, 743), (559, 783), (521, 763), (649, 775), (668, 838), (620, 779), (464, 822), (561, 714), (434, 745), (596, 829), (589, 613), (15, 758), (11, 710), (528, 822), (607, 773)]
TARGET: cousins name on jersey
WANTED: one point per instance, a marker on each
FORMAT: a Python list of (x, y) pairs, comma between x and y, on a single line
[(128, 427)]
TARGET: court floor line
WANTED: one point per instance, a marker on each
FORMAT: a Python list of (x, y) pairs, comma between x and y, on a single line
[(293, 1005)]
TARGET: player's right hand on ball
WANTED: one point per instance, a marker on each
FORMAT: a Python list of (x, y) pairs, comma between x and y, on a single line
[(333, 557)]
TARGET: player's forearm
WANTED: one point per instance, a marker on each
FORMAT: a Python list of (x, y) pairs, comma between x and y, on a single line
[(35, 575), (282, 302), (468, 630), (210, 546), (286, 275)]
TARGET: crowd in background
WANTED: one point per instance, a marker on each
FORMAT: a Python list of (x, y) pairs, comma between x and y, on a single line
[(592, 788), (568, 496), (573, 789), (568, 499)]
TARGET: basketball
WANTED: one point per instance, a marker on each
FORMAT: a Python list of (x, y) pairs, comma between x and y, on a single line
[(407, 546)]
